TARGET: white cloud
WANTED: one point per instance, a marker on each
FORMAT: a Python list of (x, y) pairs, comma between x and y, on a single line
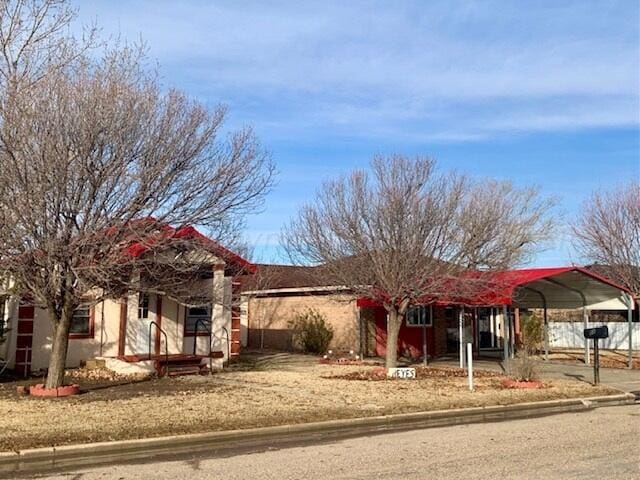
[(436, 71)]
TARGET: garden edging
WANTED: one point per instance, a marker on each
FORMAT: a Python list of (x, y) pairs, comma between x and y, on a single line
[(74, 456)]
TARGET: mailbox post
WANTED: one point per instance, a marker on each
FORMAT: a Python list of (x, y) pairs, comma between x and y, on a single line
[(596, 334)]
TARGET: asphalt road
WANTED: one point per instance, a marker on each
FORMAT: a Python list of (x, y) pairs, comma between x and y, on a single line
[(598, 444)]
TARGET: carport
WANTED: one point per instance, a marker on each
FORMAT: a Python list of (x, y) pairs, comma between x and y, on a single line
[(558, 288)]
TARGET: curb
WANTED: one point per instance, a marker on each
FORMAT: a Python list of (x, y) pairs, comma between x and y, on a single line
[(91, 454)]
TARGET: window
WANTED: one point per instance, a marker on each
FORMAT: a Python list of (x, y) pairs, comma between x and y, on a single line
[(81, 325), (200, 316), (143, 306), (419, 316), (449, 313)]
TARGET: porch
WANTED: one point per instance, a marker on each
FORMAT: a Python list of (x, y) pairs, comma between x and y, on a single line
[(176, 364)]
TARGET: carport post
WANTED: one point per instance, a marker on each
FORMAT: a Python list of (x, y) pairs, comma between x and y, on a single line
[(505, 333), (546, 331), (460, 332), (585, 319), (630, 323)]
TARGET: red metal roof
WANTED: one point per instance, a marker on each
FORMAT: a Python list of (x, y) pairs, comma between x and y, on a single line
[(497, 288), (167, 232)]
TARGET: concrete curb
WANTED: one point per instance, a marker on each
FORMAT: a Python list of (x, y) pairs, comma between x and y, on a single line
[(74, 456)]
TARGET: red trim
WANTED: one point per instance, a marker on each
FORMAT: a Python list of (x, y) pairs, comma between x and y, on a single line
[(137, 248), (23, 356), (236, 286), (25, 326), (92, 321), (363, 302), (159, 322), (26, 312), (122, 332), (24, 342)]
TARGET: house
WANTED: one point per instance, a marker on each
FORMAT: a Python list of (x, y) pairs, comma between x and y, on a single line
[(141, 331), (489, 319)]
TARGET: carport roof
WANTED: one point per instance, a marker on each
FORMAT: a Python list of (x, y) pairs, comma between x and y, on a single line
[(562, 287)]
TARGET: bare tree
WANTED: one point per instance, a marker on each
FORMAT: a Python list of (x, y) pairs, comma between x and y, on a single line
[(405, 234), (103, 173), (607, 233)]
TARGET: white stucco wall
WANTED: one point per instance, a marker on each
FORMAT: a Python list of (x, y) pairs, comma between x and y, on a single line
[(105, 339)]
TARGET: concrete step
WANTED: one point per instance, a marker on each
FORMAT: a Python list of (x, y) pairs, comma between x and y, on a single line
[(176, 371)]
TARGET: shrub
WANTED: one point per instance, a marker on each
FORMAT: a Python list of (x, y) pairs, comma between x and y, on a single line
[(312, 334), (531, 333), (523, 368)]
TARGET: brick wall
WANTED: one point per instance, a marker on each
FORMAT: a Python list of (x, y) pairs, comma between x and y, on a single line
[(269, 317)]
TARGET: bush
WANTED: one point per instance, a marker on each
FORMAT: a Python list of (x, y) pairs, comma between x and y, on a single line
[(312, 334), (523, 368), (531, 333)]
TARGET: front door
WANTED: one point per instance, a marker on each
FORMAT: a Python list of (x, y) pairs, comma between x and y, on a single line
[(487, 318), (142, 337)]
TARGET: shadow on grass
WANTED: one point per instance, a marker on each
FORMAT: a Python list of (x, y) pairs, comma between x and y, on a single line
[(256, 361)]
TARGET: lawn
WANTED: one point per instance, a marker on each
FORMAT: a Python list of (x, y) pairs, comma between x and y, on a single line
[(257, 392)]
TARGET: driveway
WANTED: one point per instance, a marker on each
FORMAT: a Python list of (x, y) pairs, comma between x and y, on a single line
[(620, 378)]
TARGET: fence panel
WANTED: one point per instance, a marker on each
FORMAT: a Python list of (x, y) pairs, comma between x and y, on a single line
[(569, 335)]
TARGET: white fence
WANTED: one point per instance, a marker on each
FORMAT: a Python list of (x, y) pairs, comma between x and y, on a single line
[(569, 335)]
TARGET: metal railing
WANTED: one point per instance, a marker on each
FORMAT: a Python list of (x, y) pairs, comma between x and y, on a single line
[(166, 342), (209, 331)]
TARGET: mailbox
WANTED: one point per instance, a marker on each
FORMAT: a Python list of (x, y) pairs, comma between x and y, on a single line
[(596, 332)]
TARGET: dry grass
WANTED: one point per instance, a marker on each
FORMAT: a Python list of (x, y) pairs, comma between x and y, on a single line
[(250, 395)]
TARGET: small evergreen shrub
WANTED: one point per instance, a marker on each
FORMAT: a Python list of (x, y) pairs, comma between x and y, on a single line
[(312, 333), (531, 333)]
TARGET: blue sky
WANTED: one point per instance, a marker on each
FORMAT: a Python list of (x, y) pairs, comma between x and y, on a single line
[(536, 92)]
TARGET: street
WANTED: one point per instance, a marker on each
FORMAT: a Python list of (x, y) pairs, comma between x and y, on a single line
[(598, 444)]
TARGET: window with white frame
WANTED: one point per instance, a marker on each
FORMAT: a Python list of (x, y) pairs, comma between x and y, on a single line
[(199, 317), (419, 316), (143, 306), (81, 322)]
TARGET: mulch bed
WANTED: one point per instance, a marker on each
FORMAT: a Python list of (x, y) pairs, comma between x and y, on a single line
[(346, 361)]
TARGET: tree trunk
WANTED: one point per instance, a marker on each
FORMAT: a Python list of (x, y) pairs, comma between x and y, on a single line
[(394, 319), (58, 359)]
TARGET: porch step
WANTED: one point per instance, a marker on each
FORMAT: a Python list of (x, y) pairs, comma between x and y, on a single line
[(175, 364), (180, 370)]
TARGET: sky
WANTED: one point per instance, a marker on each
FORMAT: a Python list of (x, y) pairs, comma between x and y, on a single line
[(540, 93)]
